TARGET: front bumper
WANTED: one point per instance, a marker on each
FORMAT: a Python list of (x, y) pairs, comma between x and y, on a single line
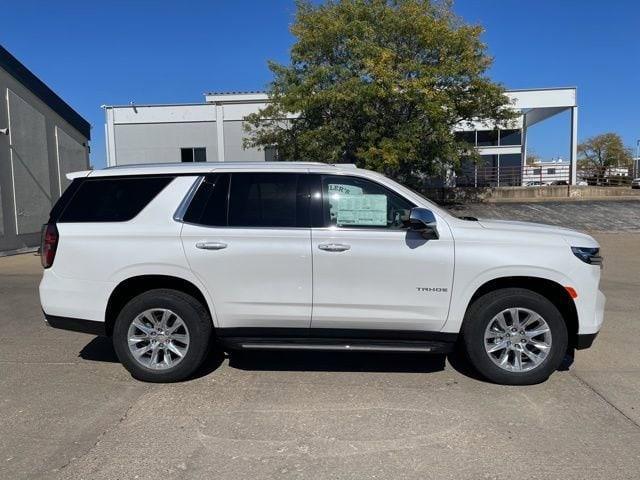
[(589, 330)]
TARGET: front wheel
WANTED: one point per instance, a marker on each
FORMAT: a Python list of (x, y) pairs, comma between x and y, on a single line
[(515, 336), (162, 335)]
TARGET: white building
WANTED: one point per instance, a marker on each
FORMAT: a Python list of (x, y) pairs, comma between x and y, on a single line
[(213, 131), (546, 172)]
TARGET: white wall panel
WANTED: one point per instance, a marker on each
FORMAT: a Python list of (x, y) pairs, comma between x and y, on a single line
[(164, 113), (233, 151), (161, 142)]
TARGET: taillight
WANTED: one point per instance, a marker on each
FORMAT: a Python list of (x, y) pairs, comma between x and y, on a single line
[(49, 244)]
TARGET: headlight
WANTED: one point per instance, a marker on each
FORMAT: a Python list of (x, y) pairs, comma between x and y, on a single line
[(588, 255)]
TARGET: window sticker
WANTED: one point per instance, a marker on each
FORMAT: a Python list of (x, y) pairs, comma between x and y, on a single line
[(359, 210), (336, 188)]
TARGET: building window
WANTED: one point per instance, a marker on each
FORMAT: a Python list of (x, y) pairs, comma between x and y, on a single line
[(510, 137), (537, 171), (193, 154), (468, 136), (510, 169), (487, 138), (513, 160), (271, 154), (551, 171)]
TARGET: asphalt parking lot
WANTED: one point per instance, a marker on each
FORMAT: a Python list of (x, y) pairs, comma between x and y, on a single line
[(69, 410)]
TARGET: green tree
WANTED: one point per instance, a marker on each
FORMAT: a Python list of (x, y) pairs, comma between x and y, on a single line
[(597, 154), (379, 83), (532, 157)]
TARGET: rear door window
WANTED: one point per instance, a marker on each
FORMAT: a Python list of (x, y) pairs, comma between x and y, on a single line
[(268, 200), (111, 199), (209, 204)]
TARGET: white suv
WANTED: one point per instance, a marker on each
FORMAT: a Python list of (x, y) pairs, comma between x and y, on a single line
[(170, 259)]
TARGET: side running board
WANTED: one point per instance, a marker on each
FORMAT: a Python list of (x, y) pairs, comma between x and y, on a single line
[(356, 345)]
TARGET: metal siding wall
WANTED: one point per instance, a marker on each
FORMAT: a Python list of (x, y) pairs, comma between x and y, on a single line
[(1, 214), (5, 168), (29, 169), (71, 157), (30, 165), (161, 142), (233, 151)]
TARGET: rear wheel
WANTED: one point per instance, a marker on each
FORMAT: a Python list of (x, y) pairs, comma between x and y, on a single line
[(515, 336), (162, 335)]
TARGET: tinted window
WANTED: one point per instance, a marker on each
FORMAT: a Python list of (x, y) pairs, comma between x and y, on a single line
[(186, 154), (271, 154), (511, 160), (488, 170), (267, 200), (66, 197), (466, 136), (112, 199), (209, 204), (510, 169), (510, 137), (487, 138), (198, 154), (358, 203)]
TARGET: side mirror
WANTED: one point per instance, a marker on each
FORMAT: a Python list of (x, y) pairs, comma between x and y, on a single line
[(424, 221)]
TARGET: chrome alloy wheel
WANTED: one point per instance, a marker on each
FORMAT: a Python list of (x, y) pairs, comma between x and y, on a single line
[(517, 339), (158, 339)]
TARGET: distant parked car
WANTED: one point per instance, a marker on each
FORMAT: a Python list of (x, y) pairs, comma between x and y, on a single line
[(582, 183), (559, 182), (534, 184), (635, 183)]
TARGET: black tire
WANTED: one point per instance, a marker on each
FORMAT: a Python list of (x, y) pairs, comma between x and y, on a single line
[(483, 310), (193, 314)]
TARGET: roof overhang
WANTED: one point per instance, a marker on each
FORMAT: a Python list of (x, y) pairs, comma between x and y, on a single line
[(22, 74), (236, 97), (565, 97)]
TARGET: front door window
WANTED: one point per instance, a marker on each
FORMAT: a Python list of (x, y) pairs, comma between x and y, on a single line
[(352, 202)]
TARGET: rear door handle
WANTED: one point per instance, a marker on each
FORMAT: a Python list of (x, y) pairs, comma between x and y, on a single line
[(334, 247), (211, 245)]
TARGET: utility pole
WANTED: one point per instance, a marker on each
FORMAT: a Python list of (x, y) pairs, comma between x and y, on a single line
[(636, 161)]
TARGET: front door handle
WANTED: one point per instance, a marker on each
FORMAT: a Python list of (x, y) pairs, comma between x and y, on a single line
[(334, 247), (211, 245)]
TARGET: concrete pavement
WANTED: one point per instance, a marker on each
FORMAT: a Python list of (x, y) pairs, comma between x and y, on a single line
[(68, 410)]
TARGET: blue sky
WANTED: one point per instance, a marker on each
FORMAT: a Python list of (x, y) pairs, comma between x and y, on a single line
[(94, 53)]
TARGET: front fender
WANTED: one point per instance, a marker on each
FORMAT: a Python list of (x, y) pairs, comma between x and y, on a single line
[(463, 291)]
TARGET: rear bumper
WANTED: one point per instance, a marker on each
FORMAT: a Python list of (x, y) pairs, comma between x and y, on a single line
[(74, 298), (76, 325)]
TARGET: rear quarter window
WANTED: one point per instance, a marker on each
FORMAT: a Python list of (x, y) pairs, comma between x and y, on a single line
[(111, 199)]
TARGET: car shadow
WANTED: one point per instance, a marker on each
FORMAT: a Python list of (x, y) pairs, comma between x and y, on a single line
[(100, 349), (304, 361)]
